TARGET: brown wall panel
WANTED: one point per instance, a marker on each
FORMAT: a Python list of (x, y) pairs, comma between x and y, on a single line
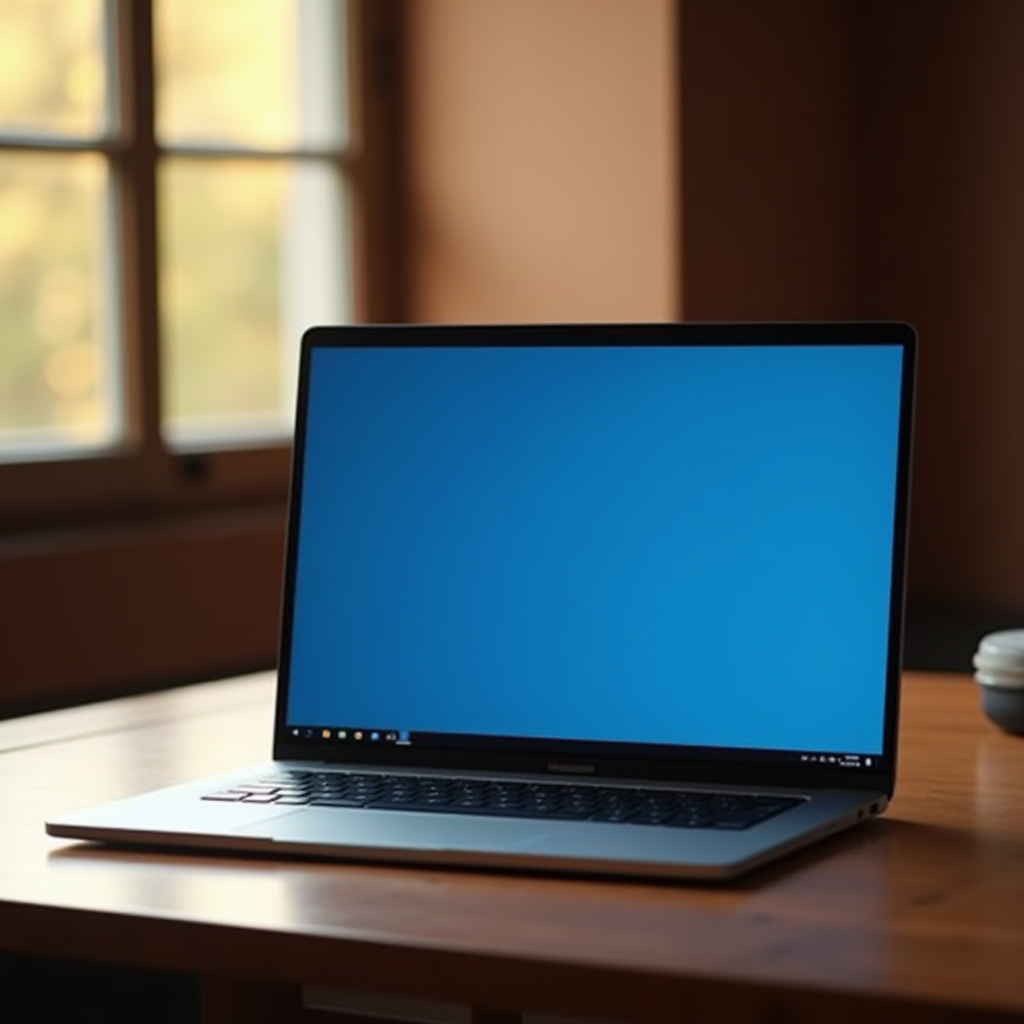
[(769, 159), (864, 159), (943, 243), (94, 612)]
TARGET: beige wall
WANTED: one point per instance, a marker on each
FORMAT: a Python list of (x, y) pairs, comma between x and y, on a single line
[(541, 160)]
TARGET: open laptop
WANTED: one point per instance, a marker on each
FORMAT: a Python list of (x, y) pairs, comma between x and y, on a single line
[(622, 599)]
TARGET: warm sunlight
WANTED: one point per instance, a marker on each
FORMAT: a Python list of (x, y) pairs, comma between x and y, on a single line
[(243, 90)]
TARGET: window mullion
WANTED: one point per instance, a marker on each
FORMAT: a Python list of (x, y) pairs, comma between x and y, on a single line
[(140, 471), (135, 165)]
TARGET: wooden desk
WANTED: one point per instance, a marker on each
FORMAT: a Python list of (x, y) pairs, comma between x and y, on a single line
[(918, 916)]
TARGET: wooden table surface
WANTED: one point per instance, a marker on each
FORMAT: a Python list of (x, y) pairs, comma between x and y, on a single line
[(918, 914)]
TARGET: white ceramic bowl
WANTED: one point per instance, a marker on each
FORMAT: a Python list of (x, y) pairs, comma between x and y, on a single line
[(999, 669)]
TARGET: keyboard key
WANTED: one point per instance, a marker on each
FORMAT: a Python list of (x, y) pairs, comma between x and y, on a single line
[(509, 798)]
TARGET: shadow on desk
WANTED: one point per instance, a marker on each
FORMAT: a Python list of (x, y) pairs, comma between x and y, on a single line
[(148, 865), (872, 845)]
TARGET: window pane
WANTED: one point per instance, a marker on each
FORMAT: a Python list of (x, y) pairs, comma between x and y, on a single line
[(252, 253), (52, 75), (58, 381), (266, 73)]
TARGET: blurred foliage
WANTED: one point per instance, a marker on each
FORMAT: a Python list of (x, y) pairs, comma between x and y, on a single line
[(54, 369), (52, 77), (226, 74), (219, 259), (54, 373), (226, 71)]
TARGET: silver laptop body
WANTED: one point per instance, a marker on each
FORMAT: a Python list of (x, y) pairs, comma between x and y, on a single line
[(618, 599)]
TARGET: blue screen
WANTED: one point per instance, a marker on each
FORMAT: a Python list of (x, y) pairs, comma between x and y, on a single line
[(668, 545)]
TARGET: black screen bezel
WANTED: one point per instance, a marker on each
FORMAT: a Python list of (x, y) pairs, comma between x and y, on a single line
[(602, 761)]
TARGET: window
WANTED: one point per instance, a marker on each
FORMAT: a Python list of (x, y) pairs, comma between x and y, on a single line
[(184, 186)]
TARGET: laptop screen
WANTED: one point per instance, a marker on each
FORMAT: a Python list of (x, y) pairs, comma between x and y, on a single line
[(632, 539)]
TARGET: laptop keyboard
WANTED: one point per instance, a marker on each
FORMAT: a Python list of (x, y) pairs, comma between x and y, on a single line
[(550, 800)]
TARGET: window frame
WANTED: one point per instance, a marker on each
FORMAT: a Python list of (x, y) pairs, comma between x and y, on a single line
[(142, 477)]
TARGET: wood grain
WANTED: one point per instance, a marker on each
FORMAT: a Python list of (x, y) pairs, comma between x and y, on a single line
[(919, 914)]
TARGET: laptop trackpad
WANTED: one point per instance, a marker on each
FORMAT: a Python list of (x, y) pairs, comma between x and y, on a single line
[(431, 831)]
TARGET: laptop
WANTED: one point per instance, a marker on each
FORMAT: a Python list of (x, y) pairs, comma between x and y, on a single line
[(619, 599)]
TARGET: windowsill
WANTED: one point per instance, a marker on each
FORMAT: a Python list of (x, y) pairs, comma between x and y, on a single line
[(53, 541)]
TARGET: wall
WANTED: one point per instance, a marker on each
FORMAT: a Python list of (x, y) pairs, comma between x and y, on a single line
[(617, 159), (93, 612), (865, 159), (944, 246), (588, 159), (770, 148), (541, 153)]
